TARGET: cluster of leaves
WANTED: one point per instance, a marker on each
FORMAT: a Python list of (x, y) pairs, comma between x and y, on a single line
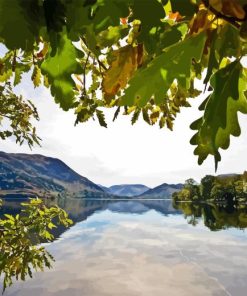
[(226, 189), (15, 116), (19, 255), (139, 56)]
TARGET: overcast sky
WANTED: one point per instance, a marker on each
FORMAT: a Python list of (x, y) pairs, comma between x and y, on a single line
[(123, 153)]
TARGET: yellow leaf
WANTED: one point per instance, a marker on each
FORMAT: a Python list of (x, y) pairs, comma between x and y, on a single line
[(200, 22), (125, 62), (42, 53), (155, 115), (36, 76)]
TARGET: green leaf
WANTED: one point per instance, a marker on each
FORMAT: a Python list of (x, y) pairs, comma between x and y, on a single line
[(220, 116), (108, 13), (78, 17), (59, 69), (225, 43), (159, 38), (111, 35), (185, 7), (149, 13), (101, 118), (135, 116), (116, 113), (97, 14), (174, 63), (19, 23), (10, 217)]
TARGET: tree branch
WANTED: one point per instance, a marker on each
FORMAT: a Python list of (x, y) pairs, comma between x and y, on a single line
[(232, 20)]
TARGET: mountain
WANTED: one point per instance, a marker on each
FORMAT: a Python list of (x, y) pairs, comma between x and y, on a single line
[(33, 174), (161, 191), (106, 189), (127, 190)]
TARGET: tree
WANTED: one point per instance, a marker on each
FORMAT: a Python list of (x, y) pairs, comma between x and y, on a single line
[(18, 234), (141, 59), (190, 182), (16, 113), (207, 183)]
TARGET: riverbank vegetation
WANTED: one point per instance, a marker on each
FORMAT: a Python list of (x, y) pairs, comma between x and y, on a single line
[(221, 189)]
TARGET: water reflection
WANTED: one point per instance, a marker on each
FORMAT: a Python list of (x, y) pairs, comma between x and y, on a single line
[(132, 248), (215, 216), (80, 209)]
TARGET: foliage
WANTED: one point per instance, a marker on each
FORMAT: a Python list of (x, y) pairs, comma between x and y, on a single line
[(227, 189), (18, 234), (16, 114), (140, 57), (189, 192)]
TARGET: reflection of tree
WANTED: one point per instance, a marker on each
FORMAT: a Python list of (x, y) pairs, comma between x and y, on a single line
[(215, 217)]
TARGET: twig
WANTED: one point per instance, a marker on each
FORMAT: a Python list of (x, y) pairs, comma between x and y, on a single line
[(84, 73), (101, 64), (218, 14)]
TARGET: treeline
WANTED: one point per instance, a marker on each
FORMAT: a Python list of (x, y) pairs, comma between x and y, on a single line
[(222, 188)]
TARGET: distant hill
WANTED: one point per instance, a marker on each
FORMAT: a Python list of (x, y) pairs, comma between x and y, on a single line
[(162, 191), (33, 174), (127, 190), (106, 189)]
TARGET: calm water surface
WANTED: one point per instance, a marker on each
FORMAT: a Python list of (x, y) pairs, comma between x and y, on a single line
[(133, 248)]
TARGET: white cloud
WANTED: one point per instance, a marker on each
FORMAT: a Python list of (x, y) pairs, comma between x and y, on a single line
[(122, 153)]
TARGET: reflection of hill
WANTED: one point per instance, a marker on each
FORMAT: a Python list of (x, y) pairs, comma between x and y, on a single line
[(80, 209)]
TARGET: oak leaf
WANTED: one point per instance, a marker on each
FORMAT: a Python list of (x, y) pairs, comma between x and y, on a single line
[(125, 62)]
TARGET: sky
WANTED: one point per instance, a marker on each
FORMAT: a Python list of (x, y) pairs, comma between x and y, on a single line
[(121, 153)]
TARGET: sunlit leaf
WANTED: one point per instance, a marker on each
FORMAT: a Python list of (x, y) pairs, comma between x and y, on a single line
[(125, 62), (174, 63), (220, 119), (59, 68)]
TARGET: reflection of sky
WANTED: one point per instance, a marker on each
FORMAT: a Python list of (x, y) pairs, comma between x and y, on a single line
[(113, 253)]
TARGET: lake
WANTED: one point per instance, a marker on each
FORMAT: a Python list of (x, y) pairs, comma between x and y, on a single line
[(143, 247)]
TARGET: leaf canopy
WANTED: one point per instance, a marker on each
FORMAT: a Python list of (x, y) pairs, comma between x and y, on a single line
[(140, 57)]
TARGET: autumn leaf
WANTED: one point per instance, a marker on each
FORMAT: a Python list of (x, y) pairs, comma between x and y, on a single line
[(125, 62), (176, 16), (124, 20), (200, 22), (42, 53)]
